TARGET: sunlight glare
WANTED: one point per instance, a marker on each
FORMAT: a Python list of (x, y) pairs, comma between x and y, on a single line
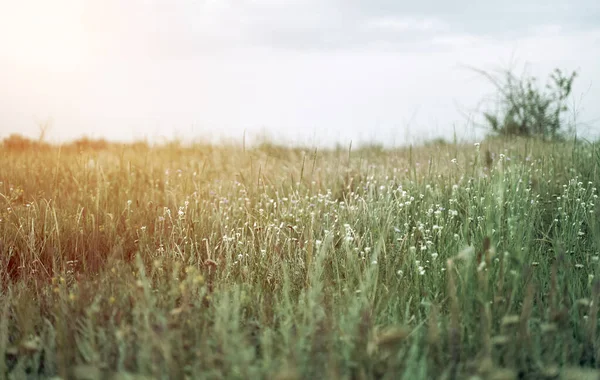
[(48, 34)]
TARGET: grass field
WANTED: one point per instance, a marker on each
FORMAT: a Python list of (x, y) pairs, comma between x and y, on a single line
[(443, 261)]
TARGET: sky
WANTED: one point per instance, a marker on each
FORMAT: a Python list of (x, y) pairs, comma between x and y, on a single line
[(315, 72)]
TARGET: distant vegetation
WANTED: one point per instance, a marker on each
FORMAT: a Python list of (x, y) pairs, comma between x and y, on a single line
[(16, 142), (520, 108)]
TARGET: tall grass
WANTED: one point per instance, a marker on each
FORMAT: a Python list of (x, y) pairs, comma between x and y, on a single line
[(445, 261)]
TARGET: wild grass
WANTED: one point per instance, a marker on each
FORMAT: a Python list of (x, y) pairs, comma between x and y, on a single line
[(446, 261)]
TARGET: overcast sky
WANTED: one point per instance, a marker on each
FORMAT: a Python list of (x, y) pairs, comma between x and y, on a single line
[(310, 71)]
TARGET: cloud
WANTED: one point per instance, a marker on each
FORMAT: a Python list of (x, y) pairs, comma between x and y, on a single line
[(181, 28), (405, 24)]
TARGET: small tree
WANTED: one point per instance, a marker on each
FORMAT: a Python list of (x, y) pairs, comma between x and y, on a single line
[(43, 126), (525, 109)]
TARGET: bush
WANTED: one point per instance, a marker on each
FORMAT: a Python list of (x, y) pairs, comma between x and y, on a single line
[(523, 108), (16, 142)]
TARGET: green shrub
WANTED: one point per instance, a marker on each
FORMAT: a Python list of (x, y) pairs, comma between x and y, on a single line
[(524, 108)]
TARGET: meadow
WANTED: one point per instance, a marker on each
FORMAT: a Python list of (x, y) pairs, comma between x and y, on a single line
[(443, 261)]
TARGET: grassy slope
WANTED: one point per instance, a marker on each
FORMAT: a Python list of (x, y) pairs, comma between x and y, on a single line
[(437, 262)]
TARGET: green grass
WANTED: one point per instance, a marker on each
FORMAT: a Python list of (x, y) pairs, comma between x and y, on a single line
[(445, 261)]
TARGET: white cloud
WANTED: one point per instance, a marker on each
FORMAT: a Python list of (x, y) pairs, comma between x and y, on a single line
[(406, 24), (458, 40)]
